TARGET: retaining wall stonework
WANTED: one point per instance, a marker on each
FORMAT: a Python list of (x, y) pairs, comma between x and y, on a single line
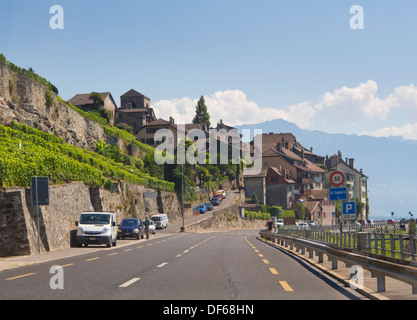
[(18, 218)]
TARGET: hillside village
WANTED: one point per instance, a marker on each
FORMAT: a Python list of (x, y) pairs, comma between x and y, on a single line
[(292, 177), (100, 156)]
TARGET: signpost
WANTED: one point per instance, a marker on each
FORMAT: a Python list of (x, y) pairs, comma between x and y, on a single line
[(349, 210), (40, 197), (338, 194), (337, 178)]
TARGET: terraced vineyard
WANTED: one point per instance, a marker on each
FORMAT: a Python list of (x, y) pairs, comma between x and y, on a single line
[(42, 154)]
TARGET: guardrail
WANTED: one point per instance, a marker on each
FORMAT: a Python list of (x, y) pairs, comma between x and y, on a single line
[(401, 247), (379, 268)]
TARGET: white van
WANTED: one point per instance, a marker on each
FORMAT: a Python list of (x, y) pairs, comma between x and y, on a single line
[(160, 220), (97, 228)]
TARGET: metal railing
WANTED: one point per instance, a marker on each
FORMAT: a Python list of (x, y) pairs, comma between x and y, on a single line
[(379, 268), (396, 246)]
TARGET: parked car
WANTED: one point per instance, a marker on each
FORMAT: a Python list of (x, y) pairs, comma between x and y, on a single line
[(313, 223), (371, 223), (218, 195), (364, 223), (202, 208), (280, 222), (152, 228), (222, 192), (215, 201), (209, 206), (302, 226), (160, 220), (97, 228), (130, 228), (391, 221)]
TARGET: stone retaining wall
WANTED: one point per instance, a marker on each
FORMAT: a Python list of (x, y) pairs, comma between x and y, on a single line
[(18, 218)]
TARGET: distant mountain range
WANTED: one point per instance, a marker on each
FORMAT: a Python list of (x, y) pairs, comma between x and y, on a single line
[(388, 162)]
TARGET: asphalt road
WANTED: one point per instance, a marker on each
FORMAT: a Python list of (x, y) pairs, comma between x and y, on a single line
[(178, 266)]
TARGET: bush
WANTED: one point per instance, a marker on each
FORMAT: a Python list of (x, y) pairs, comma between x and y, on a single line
[(49, 97), (253, 215), (108, 184)]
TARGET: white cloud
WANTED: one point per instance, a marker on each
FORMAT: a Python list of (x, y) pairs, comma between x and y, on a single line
[(360, 102), (409, 131), (233, 107)]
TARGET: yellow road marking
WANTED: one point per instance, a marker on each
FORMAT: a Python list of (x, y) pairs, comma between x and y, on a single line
[(140, 247), (128, 249), (265, 261), (112, 254), (261, 255), (67, 265), (23, 275), (285, 285), (92, 259), (273, 270)]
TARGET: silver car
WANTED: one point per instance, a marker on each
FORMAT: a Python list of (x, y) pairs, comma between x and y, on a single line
[(152, 227)]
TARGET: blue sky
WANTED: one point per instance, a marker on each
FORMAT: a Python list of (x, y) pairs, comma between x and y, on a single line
[(265, 59)]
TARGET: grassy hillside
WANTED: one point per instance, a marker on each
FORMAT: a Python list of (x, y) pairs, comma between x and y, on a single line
[(43, 154)]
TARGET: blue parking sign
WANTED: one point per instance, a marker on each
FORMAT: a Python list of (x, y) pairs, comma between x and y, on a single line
[(349, 210), (349, 207)]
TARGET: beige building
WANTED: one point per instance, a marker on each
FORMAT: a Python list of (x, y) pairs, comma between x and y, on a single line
[(355, 180)]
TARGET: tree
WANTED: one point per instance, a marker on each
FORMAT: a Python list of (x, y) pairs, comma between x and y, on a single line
[(201, 113), (97, 99)]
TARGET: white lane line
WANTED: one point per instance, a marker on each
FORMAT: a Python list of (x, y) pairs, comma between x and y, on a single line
[(128, 283), (162, 265), (178, 255)]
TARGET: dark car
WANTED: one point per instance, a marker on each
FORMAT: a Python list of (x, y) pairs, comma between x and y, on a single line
[(130, 228), (202, 208), (209, 206), (215, 201)]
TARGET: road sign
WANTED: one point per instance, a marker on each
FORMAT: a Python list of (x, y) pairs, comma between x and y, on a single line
[(337, 178), (338, 194), (150, 194), (40, 191), (349, 210)]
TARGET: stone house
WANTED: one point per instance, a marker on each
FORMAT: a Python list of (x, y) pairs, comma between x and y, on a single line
[(279, 188), (307, 175), (327, 215), (83, 101), (256, 184), (135, 110)]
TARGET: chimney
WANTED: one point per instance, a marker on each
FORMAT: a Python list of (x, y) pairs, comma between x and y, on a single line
[(352, 163), (339, 154), (279, 147), (311, 149), (171, 120)]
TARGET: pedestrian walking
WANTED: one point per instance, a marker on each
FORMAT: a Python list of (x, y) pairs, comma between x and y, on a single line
[(147, 222)]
